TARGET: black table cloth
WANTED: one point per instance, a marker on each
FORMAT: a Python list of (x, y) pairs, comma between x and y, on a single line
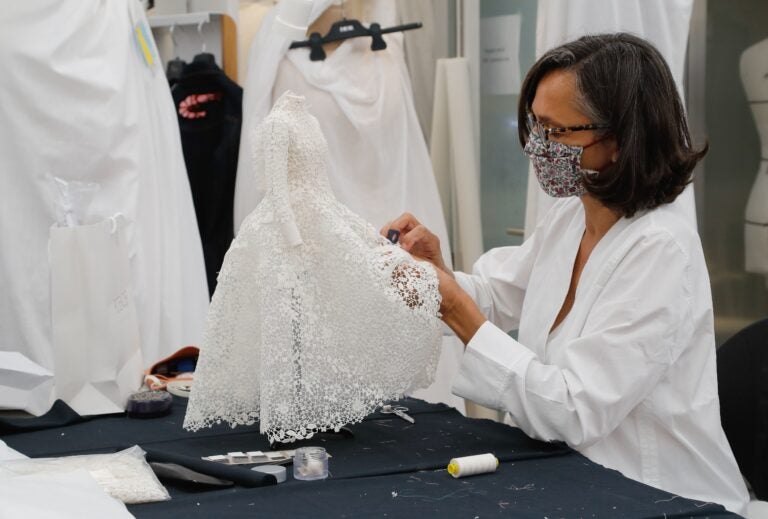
[(388, 468)]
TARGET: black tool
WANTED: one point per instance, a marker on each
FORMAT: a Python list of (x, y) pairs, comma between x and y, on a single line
[(174, 471)]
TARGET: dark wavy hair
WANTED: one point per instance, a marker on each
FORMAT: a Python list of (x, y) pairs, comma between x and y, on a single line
[(625, 83)]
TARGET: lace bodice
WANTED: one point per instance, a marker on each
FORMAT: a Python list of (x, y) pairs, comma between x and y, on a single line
[(316, 319), (293, 129)]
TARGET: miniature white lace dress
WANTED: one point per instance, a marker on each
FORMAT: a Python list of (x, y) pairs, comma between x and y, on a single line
[(316, 319)]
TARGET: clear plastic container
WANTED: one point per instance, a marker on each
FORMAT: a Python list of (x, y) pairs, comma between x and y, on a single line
[(310, 463)]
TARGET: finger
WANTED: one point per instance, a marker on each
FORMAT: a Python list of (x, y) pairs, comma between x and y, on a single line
[(416, 236), (404, 223)]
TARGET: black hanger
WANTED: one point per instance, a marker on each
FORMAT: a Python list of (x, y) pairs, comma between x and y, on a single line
[(205, 58), (174, 70), (346, 29)]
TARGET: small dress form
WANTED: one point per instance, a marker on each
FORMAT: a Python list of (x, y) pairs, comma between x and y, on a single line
[(316, 319), (754, 76)]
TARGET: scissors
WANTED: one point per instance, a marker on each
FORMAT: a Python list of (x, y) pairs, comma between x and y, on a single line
[(398, 410)]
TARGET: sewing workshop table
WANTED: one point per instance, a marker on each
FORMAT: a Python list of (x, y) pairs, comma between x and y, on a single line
[(388, 468)]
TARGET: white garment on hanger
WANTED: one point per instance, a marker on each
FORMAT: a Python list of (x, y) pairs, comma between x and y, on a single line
[(665, 23), (82, 104), (630, 379), (379, 164), (317, 319)]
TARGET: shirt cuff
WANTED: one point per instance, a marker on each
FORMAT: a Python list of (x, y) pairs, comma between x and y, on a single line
[(492, 359)]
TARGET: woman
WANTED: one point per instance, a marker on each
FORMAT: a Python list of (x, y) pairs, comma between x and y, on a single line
[(615, 352)]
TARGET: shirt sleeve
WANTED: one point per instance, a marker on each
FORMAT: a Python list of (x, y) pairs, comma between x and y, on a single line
[(634, 331), (499, 280)]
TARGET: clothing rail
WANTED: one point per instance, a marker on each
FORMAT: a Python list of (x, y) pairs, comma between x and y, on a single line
[(170, 20)]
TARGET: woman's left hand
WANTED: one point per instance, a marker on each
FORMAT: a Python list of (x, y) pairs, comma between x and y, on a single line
[(458, 309)]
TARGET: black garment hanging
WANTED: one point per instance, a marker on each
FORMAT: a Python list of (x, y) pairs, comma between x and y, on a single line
[(209, 108)]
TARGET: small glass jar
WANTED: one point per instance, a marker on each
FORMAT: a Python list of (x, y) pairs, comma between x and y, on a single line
[(310, 463)]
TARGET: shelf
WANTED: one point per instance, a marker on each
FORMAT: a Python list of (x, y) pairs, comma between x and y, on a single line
[(169, 20)]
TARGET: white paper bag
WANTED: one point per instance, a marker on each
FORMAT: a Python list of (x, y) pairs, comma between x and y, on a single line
[(97, 353)]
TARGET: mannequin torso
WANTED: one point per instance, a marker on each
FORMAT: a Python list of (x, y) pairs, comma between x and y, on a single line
[(754, 76)]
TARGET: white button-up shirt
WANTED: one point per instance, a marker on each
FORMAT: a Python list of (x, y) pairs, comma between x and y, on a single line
[(629, 379)]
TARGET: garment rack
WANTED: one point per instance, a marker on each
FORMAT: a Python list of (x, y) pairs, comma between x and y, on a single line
[(171, 20)]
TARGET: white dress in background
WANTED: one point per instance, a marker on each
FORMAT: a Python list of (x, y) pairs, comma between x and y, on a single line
[(316, 319), (82, 104)]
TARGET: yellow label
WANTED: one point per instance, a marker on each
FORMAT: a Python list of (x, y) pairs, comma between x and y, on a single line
[(144, 46)]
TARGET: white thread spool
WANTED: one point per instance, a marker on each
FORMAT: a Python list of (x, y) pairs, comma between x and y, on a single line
[(471, 465)]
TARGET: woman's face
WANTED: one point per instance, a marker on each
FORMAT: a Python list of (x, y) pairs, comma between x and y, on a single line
[(555, 105)]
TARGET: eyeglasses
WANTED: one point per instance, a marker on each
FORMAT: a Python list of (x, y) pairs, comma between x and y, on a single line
[(543, 132)]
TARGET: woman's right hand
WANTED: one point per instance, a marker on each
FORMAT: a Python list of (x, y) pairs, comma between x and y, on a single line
[(417, 240)]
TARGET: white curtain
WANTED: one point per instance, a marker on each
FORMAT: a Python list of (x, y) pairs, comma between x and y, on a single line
[(665, 23), (455, 161), (423, 47)]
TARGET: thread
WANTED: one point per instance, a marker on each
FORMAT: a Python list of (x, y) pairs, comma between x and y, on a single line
[(471, 465), (275, 470)]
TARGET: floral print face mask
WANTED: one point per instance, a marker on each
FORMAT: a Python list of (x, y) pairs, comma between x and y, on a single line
[(557, 166)]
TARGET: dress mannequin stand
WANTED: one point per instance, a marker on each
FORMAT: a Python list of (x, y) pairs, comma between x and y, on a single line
[(754, 76)]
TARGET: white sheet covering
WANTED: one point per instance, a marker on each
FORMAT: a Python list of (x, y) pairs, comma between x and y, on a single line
[(65, 496), (82, 104), (7, 453), (24, 385)]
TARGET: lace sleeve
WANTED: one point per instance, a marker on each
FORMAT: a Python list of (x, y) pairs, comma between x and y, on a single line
[(270, 160)]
